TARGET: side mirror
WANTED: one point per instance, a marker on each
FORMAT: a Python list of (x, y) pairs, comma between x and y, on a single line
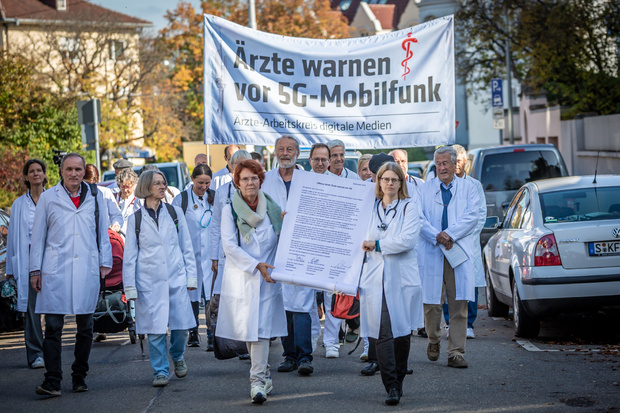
[(492, 223)]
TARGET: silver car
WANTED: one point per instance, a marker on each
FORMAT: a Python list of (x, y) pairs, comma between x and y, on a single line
[(557, 251)]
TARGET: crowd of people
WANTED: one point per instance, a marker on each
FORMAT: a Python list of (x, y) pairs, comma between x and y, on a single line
[(218, 239)]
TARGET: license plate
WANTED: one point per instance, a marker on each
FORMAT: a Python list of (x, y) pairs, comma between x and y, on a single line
[(598, 249)]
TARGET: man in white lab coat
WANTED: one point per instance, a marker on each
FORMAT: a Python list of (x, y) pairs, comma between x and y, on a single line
[(70, 252), (298, 301), (450, 208), (336, 160), (224, 175)]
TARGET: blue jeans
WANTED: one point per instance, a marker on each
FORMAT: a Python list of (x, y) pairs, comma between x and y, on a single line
[(298, 343), (157, 350), (472, 311)]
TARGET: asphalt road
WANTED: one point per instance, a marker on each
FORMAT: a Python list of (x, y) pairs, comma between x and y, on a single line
[(574, 366)]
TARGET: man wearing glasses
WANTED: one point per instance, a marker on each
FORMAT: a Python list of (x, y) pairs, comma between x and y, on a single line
[(450, 206), (336, 160)]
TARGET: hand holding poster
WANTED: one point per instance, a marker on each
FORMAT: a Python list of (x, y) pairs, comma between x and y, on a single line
[(392, 90), (321, 240)]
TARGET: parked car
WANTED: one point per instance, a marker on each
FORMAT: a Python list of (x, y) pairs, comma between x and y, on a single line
[(557, 251), (502, 170), (4, 233), (176, 173), (416, 168)]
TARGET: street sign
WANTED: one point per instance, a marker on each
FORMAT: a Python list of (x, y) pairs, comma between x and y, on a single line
[(497, 93), (498, 118)]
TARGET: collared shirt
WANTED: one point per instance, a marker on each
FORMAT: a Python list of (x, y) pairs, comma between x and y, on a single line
[(154, 214)]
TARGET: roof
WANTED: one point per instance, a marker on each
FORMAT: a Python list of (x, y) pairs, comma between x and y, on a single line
[(576, 182), (77, 11), (513, 148), (385, 14)]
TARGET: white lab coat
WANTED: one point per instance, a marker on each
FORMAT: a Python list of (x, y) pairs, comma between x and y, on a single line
[(296, 298), (250, 308), (114, 213), (223, 196), (200, 239), (128, 207), (160, 270), (64, 249), (18, 247), (349, 174), (462, 220), (394, 270), (479, 278), (221, 177), (171, 193)]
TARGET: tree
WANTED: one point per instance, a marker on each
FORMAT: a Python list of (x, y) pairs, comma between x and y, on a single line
[(565, 48), (184, 38)]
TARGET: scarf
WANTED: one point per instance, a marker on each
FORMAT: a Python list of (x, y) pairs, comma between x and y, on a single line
[(248, 220)]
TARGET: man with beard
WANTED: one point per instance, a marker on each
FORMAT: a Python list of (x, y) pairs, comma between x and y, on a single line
[(299, 302)]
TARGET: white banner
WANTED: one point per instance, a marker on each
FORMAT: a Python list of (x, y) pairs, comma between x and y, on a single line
[(386, 91), (325, 224)]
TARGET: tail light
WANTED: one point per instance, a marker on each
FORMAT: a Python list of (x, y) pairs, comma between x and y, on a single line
[(547, 252)]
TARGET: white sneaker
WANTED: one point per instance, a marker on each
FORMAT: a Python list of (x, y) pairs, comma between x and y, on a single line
[(446, 328), (331, 352), (268, 385), (259, 395), (364, 356), (38, 363), (470, 333)]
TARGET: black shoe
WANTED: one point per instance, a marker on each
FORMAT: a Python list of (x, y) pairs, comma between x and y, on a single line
[(409, 371), (193, 340), (99, 337), (79, 385), (287, 366), (245, 356), (48, 388), (422, 333), (305, 368), (209, 346), (393, 397), (370, 369)]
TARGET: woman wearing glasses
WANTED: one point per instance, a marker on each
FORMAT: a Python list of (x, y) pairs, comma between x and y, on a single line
[(390, 277), (158, 270), (197, 204), (251, 305)]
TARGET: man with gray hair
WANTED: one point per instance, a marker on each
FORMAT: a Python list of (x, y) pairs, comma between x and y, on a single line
[(401, 158), (336, 160), (479, 281), (450, 207), (299, 302)]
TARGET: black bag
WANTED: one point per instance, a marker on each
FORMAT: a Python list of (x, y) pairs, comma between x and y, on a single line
[(223, 348), (111, 314)]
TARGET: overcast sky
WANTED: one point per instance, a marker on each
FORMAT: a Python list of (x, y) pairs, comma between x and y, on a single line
[(151, 10)]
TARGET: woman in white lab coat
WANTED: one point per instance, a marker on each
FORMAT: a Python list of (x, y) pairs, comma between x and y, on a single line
[(158, 270), (18, 256), (390, 276), (125, 197), (197, 202), (251, 306)]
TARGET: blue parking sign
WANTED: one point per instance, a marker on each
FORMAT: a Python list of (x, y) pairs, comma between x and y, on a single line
[(497, 93)]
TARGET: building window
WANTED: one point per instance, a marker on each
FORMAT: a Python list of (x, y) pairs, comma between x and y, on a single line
[(117, 50), (61, 5)]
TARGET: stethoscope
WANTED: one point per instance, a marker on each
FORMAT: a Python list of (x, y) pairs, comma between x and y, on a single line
[(384, 225), (205, 211)]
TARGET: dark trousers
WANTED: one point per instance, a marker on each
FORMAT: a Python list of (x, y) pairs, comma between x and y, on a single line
[(52, 345), (392, 353), (33, 332), (196, 310), (298, 343)]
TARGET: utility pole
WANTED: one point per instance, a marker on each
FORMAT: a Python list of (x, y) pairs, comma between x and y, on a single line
[(511, 134), (252, 14)]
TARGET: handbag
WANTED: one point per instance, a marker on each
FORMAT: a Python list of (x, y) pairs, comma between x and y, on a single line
[(223, 348), (345, 307)]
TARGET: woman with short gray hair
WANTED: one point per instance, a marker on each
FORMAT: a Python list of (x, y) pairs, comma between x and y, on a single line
[(126, 198), (158, 270)]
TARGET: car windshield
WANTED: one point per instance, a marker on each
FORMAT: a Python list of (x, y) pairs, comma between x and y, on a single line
[(581, 205), (511, 170)]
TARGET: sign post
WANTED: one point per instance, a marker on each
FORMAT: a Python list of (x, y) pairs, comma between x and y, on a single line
[(497, 101)]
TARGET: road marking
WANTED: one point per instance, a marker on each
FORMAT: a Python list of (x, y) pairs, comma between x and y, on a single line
[(499, 318), (125, 343), (529, 346)]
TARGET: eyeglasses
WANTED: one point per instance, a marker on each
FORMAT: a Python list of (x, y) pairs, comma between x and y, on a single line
[(247, 180), (159, 183), (337, 155), (320, 160), (390, 180)]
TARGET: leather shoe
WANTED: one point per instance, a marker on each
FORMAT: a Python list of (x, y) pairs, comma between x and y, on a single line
[(287, 366), (370, 369), (245, 356), (305, 368), (393, 397), (457, 362), (409, 371)]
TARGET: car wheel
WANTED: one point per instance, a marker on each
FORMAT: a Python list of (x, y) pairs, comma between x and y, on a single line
[(525, 326), (496, 308)]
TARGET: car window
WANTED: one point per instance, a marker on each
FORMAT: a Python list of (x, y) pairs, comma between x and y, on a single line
[(519, 210), (171, 175), (511, 170), (581, 205), (511, 209)]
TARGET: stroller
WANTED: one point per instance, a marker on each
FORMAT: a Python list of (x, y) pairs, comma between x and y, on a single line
[(113, 313)]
